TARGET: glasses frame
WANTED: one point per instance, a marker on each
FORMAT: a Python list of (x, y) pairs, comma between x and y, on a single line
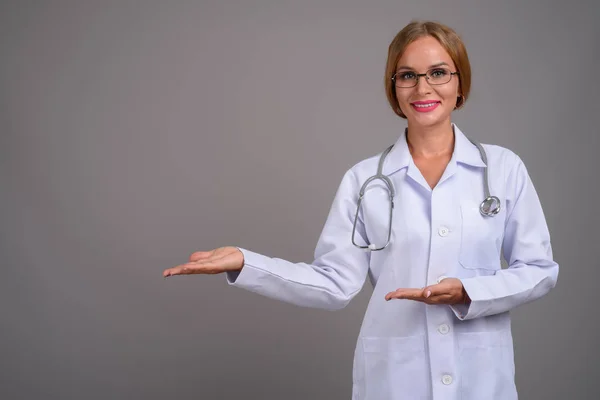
[(420, 75)]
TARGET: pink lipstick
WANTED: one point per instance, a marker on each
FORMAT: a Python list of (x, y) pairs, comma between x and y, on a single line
[(425, 106)]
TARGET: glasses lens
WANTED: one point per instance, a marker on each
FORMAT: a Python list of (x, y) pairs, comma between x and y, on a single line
[(439, 76), (405, 79)]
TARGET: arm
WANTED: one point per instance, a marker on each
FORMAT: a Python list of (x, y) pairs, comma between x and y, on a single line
[(336, 275), (532, 271)]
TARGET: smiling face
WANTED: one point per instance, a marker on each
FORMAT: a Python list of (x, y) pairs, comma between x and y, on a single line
[(426, 105)]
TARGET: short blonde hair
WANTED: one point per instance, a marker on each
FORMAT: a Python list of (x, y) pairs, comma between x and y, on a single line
[(449, 40)]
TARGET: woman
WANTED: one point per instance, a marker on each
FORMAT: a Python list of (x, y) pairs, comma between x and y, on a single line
[(437, 325)]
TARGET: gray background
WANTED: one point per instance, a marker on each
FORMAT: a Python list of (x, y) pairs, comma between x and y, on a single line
[(136, 132)]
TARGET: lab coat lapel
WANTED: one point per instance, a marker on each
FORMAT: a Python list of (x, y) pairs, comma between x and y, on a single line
[(464, 152)]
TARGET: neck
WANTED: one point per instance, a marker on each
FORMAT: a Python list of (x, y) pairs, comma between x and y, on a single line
[(430, 142)]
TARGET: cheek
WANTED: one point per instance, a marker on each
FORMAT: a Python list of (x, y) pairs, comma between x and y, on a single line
[(449, 93), (402, 95)]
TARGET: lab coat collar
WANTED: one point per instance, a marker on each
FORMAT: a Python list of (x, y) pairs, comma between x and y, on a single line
[(464, 152)]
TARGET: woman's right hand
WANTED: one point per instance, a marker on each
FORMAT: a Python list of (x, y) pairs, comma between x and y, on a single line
[(215, 261)]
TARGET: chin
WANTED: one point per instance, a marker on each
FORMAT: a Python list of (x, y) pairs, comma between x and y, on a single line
[(427, 121), (433, 118)]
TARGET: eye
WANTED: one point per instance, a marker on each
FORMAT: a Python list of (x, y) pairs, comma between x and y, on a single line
[(438, 73), (406, 76)]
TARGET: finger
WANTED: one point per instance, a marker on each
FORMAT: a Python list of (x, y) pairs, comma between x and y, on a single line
[(201, 255), (435, 290), (441, 299), (188, 269), (410, 294), (178, 270), (402, 293)]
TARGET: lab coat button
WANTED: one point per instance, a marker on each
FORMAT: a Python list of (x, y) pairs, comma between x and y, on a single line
[(443, 231), (446, 379), (443, 329)]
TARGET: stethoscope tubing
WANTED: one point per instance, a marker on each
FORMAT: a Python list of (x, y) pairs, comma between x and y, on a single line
[(489, 207)]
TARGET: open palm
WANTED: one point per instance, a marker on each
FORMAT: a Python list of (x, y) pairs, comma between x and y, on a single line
[(215, 261)]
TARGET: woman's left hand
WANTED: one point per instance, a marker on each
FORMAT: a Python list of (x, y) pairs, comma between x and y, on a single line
[(448, 291)]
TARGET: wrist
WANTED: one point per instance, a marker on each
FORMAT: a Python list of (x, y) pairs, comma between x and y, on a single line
[(466, 298)]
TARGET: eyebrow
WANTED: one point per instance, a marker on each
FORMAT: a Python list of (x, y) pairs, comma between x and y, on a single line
[(430, 67)]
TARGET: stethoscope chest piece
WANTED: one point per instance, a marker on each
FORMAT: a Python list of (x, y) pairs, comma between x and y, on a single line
[(490, 206)]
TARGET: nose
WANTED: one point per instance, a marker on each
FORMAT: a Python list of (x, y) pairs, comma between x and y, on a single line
[(423, 85)]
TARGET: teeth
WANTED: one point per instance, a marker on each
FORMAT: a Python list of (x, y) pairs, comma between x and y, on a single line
[(425, 105)]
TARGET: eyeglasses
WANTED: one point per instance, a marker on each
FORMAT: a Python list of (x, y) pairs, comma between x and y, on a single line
[(435, 76)]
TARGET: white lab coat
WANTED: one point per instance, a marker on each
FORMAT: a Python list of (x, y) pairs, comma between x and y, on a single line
[(406, 349)]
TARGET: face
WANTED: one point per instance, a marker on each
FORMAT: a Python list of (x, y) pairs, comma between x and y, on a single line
[(425, 104)]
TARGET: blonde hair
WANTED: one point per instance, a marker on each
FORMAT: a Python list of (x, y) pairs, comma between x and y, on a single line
[(449, 40)]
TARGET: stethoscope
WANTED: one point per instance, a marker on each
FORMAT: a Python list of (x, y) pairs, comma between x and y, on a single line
[(488, 207)]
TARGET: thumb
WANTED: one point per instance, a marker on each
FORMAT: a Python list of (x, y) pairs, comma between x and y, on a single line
[(200, 255), (433, 290)]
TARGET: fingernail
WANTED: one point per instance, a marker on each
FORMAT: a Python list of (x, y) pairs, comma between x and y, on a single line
[(428, 293)]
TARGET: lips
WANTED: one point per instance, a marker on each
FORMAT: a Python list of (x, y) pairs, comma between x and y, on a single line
[(425, 106)]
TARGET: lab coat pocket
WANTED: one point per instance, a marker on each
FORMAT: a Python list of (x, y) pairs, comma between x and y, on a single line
[(486, 365), (395, 368), (481, 239)]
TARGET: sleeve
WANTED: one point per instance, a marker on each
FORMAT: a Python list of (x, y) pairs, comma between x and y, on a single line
[(531, 271), (335, 276)]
